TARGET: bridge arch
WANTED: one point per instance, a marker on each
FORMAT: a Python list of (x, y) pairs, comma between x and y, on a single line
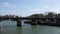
[(17, 20)]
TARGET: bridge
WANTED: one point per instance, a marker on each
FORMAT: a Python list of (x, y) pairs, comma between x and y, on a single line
[(36, 21)]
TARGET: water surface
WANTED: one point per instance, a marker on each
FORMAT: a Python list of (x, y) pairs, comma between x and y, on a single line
[(29, 29)]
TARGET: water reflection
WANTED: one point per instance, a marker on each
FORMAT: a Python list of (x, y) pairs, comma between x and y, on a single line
[(37, 29), (9, 30), (0, 29), (19, 30)]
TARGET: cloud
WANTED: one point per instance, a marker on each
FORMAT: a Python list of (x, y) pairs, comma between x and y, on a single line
[(56, 10), (5, 3), (8, 5), (46, 7), (35, 9)]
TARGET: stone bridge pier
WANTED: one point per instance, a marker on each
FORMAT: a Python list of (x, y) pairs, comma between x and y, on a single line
[(33, 22), (19, 23)]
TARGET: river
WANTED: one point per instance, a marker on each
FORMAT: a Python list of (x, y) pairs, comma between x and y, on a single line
[(28, 29)]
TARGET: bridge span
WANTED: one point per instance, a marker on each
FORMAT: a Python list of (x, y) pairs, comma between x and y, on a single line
[(36, 21)]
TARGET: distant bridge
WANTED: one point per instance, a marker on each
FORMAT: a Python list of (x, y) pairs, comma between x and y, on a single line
[(35, 21), (25, 18)]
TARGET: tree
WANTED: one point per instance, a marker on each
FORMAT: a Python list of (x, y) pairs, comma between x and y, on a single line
[(51, 15), (58, 16), (36, 16)]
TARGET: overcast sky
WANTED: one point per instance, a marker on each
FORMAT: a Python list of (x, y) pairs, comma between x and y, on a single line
[(28, 7)]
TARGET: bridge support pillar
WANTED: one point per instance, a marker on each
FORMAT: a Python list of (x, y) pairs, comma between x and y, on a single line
[(0, 20), (34, 22), (47, 20), (19, 23)]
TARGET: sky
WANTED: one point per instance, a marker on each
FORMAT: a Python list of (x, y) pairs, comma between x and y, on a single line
[(28, 7)]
